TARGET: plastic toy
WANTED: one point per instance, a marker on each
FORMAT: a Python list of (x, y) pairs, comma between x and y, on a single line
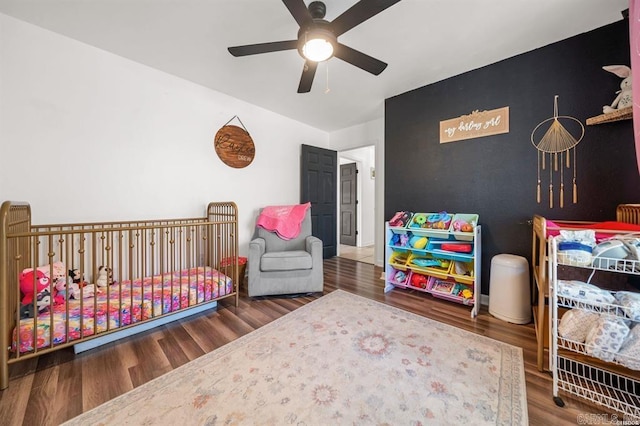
[(419, 281), (458, 248), (426, 262), (438, 221), (420, 219), (438, 263), (404, 240), (418, 242), (400, 219), (400, 277), (466, 293), (460, 225)]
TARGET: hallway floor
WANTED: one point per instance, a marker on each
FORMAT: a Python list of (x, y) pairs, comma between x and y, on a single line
[(361, 254)]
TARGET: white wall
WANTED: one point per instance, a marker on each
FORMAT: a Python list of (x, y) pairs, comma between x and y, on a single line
[(90, 136), (370, 133), (365, 160)]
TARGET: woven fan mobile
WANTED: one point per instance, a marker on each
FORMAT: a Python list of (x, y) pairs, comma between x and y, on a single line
[(556, 144)]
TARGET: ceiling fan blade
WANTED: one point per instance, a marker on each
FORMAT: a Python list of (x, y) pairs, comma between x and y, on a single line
[(254, 49), (358, 13), (298, 10), (359, 59), (308, 72)]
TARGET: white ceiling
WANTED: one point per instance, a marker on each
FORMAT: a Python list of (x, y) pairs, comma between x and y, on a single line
[(423, 41)]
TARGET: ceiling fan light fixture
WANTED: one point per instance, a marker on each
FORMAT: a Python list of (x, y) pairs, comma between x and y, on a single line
[(317, 49), (317, 39), (316, 43)]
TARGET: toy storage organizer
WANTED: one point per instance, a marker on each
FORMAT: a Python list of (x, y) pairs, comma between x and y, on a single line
[(444, 261)]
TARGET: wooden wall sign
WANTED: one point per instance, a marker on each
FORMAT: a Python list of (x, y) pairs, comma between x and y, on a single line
[(234, 146), (475, 125)]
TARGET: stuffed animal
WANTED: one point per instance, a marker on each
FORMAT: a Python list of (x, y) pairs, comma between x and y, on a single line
[(43, 301), (76, 276), (62, 288), (624, 98), (105, 277), (42, 296), (26, 285)]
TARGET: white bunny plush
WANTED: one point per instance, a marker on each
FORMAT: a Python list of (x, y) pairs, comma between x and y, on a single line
[(623, 99)]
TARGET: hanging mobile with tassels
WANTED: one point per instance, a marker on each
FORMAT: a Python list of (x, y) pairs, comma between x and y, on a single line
[(557, 141)]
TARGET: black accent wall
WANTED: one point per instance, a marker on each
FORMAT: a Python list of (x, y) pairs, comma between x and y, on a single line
[(496, 176)]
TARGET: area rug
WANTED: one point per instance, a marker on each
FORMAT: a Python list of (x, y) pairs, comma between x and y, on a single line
[(341, 359)]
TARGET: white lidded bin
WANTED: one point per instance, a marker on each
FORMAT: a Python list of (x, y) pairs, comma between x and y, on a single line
[(509, 292)]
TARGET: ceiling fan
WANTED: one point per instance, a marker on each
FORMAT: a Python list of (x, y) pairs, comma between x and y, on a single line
[(318, 39)]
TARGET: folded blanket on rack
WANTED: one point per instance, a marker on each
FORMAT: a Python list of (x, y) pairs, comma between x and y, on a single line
[(607, 229), (285, 221)]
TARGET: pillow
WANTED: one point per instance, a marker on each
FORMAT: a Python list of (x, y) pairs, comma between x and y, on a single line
[(629, 353), (630, 303), (605, 339), (576, 324), (582, 291)]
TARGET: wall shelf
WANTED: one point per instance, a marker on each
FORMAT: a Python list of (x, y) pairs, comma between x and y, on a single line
[(622, 114)]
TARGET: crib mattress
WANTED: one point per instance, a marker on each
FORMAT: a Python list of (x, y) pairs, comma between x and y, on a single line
[(122, 304)]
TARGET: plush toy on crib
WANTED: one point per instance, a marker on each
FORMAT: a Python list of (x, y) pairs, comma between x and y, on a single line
[(76, 277), (78, 286), (105, 277), (43, 301), (63, 287), (624, 98), (27, 289)]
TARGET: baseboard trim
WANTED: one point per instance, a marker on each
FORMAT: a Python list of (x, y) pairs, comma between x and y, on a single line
[(484, 299)]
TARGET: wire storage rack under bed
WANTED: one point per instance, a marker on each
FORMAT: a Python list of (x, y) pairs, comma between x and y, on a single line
[(597, 375)]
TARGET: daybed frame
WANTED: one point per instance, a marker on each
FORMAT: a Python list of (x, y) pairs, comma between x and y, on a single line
[(132, 250), (627, 213)]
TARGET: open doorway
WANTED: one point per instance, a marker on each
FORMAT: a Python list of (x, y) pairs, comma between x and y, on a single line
[(356, 196)]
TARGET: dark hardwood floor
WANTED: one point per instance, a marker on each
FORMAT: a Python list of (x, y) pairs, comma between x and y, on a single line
[(58, 386)]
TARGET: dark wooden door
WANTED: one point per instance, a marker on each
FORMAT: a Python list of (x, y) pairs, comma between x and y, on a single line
[(348, 204), (318, 186)]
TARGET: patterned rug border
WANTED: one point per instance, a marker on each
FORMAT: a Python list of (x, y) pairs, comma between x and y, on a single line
[(512, 367)]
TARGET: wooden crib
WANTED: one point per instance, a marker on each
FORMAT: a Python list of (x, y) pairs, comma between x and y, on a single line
[(127, 274)]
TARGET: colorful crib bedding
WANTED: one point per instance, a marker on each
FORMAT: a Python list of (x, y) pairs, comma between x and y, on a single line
[(122, 304)]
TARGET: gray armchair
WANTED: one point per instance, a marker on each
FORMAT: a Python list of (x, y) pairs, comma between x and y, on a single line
[(278, 266)]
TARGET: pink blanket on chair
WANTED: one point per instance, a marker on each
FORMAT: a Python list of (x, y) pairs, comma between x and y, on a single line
[(285, 221)]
